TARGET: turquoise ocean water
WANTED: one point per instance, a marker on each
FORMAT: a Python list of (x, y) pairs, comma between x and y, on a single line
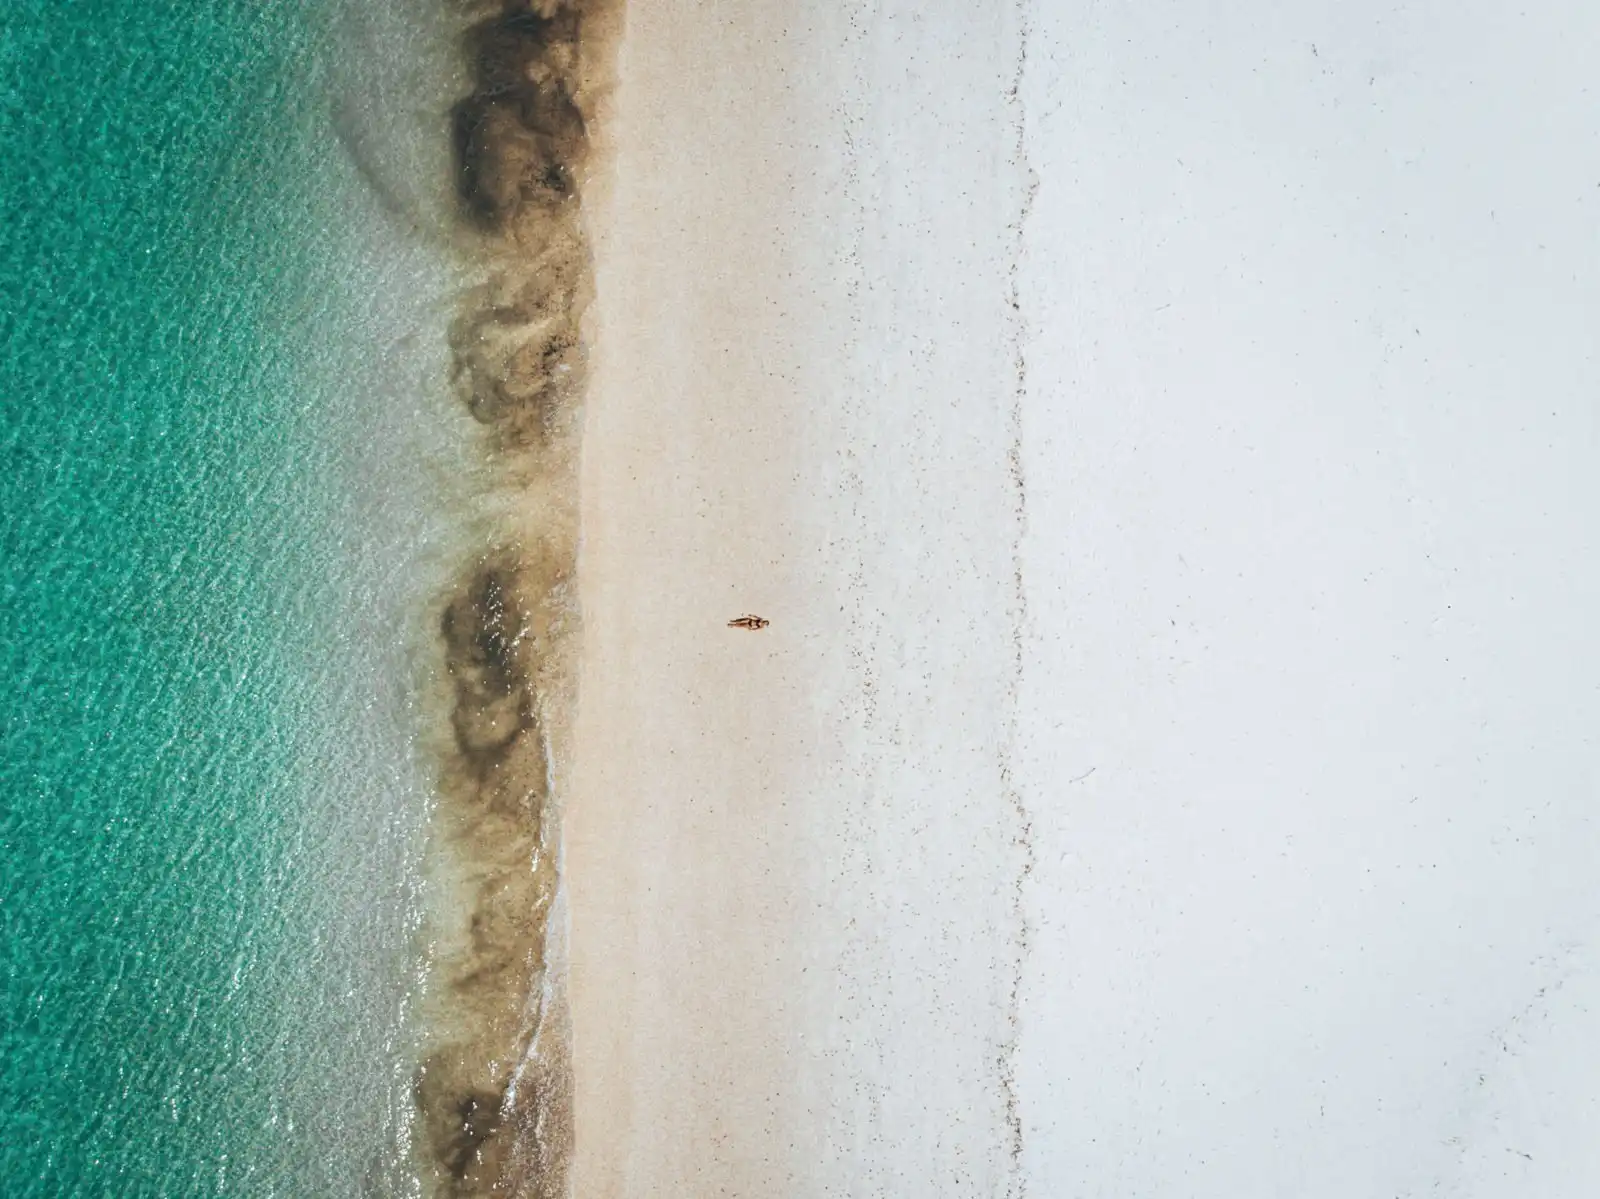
[(226, 483)]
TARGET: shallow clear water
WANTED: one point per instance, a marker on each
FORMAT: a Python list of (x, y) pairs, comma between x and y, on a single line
[(226, 479)]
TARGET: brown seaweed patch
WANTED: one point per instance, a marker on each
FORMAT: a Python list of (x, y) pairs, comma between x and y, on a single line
[(518, 376), (492, 697), (521, 147), (520, 136), (494, 1093), (499, 632)]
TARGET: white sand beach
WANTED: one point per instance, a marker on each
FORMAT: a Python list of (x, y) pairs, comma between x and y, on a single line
[(789, 861), (1169, 768)]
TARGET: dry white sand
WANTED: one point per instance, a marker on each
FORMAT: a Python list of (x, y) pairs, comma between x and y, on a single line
[(1304, 738), (1311, 565)]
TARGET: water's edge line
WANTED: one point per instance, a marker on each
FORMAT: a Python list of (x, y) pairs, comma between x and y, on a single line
[(494, 1091)]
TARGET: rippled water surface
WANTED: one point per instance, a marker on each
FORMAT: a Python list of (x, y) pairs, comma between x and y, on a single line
[(224, 469)]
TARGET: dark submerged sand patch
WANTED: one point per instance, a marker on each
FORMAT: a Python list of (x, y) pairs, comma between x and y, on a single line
[(494, 1093)]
